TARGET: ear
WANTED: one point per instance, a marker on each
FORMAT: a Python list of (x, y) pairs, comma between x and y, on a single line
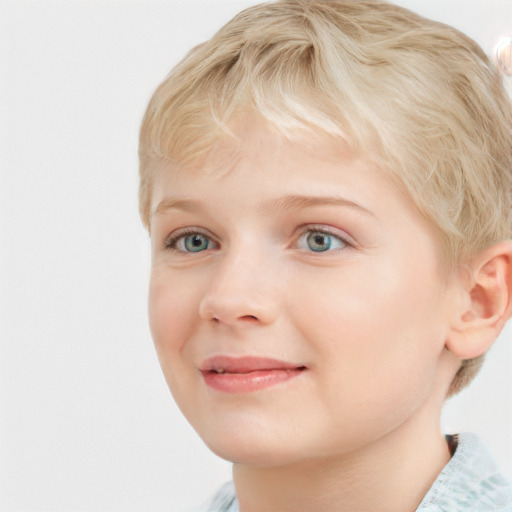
[(485, 302)]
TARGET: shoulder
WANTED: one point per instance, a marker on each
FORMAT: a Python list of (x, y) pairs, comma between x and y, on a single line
[(471, 481)]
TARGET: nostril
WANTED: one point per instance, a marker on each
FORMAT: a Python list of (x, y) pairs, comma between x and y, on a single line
[(246, 318), (250, 318)]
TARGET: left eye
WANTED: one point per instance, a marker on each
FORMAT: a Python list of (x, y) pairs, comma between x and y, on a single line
[(190, 242), (320, 241)]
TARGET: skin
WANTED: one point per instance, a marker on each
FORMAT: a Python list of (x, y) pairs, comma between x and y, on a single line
[(358, 430)]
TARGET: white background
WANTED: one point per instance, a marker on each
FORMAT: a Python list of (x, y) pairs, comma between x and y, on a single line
[(86, 420)]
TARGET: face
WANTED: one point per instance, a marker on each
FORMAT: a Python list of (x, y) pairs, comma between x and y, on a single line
[(297, 302)]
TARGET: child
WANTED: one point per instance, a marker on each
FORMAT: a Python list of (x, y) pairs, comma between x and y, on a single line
[(327, 188)]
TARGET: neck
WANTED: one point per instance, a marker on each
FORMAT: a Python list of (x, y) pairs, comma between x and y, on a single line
[(391, 474)]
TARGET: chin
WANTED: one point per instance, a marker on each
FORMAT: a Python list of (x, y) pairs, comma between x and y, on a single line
[(252, 448)]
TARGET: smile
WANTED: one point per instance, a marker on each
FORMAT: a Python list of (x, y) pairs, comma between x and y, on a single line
[(247, 374)]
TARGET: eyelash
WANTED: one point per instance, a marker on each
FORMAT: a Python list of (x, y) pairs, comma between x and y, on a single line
[(173, 239), (325, 230)]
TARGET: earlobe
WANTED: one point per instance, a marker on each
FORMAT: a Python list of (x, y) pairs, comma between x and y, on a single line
[(485, 303)]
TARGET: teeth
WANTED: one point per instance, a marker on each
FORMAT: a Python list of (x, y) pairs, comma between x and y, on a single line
[(220, 370)]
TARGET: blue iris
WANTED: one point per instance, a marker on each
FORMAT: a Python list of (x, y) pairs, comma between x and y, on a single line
[(196, 242), (318, 241)]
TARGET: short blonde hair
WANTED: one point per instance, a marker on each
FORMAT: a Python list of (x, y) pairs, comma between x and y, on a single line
[(417, 95)]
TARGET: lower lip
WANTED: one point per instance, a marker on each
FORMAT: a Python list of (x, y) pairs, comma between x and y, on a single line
[(251, 381)]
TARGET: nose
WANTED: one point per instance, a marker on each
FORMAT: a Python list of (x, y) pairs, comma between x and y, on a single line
[(243, 290)]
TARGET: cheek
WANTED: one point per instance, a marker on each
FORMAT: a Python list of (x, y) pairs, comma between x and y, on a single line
[(378, 330), (172, 316), (385, 300)]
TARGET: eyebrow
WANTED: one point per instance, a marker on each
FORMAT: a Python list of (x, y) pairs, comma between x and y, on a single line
[(286, 203), (187, 205), (297, 202)]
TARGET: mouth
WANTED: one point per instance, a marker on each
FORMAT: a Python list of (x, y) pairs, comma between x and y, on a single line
[(247, 374)]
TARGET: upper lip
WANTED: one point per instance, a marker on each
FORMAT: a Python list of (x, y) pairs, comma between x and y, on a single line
[(246, 364)]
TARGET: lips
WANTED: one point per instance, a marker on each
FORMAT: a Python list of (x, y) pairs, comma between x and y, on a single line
[(247, 374), (245, 364)]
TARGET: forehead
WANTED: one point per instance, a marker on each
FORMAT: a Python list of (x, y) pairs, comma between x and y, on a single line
[(251, 138), (255, 164), (258, 152)]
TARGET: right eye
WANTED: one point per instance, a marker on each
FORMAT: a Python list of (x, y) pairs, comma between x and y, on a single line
[(190, 242)]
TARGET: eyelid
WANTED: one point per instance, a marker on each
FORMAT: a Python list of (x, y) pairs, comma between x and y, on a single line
[(328, 230), (172, 238)]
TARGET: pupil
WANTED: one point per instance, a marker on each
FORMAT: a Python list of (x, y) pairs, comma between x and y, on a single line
[(197, 242), (319, 239)]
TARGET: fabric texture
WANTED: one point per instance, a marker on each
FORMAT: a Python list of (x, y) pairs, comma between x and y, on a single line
[(470, 482)]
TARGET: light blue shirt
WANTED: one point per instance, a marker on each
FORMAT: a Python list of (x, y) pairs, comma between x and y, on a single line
[(470, 482)]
